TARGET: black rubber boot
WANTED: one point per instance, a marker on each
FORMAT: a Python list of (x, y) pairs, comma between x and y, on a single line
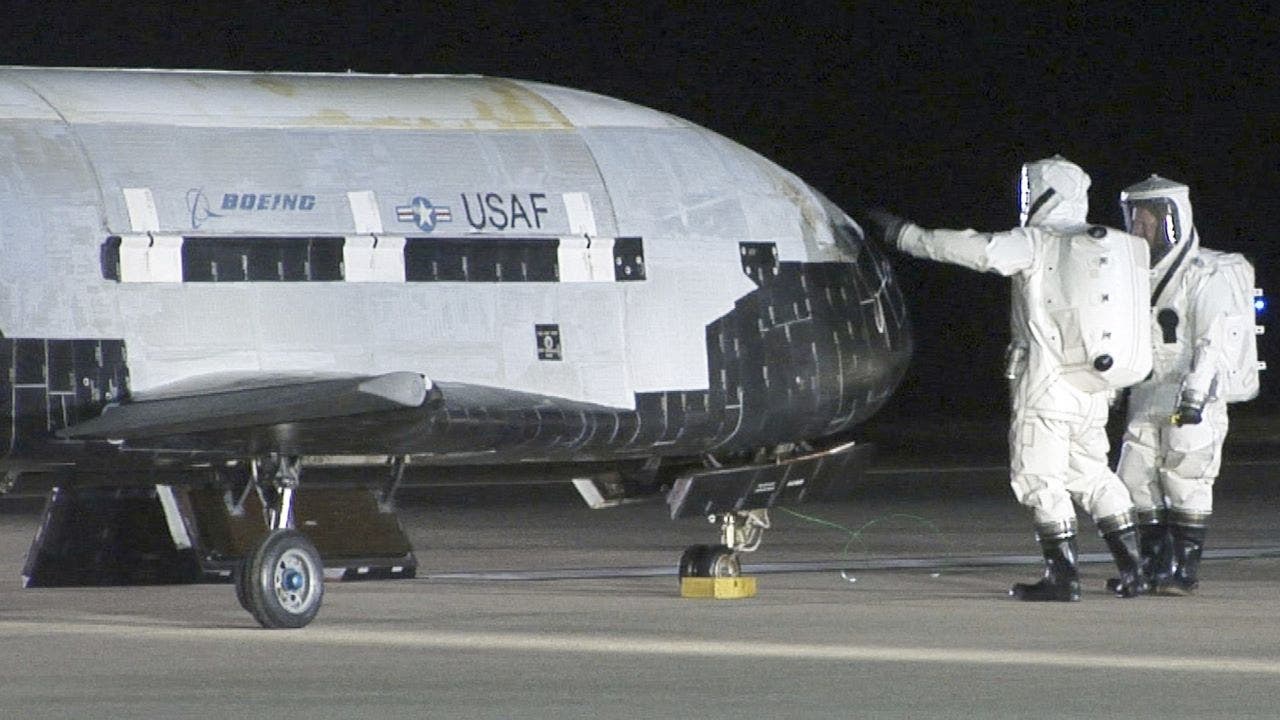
[(1123, 545), (1155, 555), (1061, 581), (1188, 544), (1155, 543)]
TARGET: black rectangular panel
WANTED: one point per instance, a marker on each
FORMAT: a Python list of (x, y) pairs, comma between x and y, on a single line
[(61, 366), (28, 361), (548, 337), (628, 259), (261, 259), (109, 258), (440, 259)]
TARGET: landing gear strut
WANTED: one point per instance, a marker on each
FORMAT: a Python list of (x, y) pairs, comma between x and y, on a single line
[(740, 532), (281, 583)]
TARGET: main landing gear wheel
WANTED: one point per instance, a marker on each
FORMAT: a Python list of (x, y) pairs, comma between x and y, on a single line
[(282, 582), (714, 561)]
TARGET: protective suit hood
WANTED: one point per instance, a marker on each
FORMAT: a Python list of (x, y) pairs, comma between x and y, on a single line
[(1179, 229), (1053, 192)]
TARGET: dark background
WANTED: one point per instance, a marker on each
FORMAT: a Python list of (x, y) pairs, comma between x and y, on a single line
[(927, 110)]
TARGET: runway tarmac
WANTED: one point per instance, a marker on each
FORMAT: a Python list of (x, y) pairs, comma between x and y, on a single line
[(920, 628)]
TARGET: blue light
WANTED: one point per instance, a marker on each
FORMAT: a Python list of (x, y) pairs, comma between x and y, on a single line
[(1259, 304)]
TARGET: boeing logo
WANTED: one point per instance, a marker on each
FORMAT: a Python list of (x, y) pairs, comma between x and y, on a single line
[(422, 213), (198, 204), (201, 211)]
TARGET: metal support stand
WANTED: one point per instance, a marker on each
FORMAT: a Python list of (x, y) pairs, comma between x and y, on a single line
[(238, 489), (387, 498)]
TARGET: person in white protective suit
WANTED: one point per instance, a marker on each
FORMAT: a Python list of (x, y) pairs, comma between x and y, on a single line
[(1177, 418), (1080, 329)]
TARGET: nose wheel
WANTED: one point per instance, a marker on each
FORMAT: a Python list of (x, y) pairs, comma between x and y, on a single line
[(709, 561), (740, 532)]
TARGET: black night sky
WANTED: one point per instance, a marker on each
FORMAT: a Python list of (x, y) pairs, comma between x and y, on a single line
[(927, 109)]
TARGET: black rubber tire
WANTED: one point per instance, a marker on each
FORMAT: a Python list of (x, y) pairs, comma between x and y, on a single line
[(719, 561), (284, 581), (692, 560), (238, 578)]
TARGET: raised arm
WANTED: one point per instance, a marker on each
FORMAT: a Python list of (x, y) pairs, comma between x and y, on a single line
[(1005, 253)]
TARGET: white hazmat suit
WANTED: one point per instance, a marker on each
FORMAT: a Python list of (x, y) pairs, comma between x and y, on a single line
[(1177, 418), (1079, 331)]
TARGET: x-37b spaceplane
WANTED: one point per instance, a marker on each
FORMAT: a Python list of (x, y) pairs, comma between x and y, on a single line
[(240, 310)]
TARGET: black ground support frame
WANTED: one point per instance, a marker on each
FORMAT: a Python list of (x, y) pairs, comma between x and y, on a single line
[(830, 474), (107, 536), (161, 536), (353, 534)]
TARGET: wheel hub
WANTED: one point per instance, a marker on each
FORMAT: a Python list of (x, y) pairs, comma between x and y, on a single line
[(293, 586), (292, 580)]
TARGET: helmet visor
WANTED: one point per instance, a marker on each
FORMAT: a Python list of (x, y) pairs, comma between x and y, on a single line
[(1022, 195), (1156, 221)]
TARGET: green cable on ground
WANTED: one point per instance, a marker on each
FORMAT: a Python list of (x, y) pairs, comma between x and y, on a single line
[(856, 535)]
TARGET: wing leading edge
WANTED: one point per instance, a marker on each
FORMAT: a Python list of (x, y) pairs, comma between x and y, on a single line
[(392, 414), (218, 408)]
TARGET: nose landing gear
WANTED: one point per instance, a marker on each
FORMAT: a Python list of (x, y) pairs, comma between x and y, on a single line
[(716, 570)]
